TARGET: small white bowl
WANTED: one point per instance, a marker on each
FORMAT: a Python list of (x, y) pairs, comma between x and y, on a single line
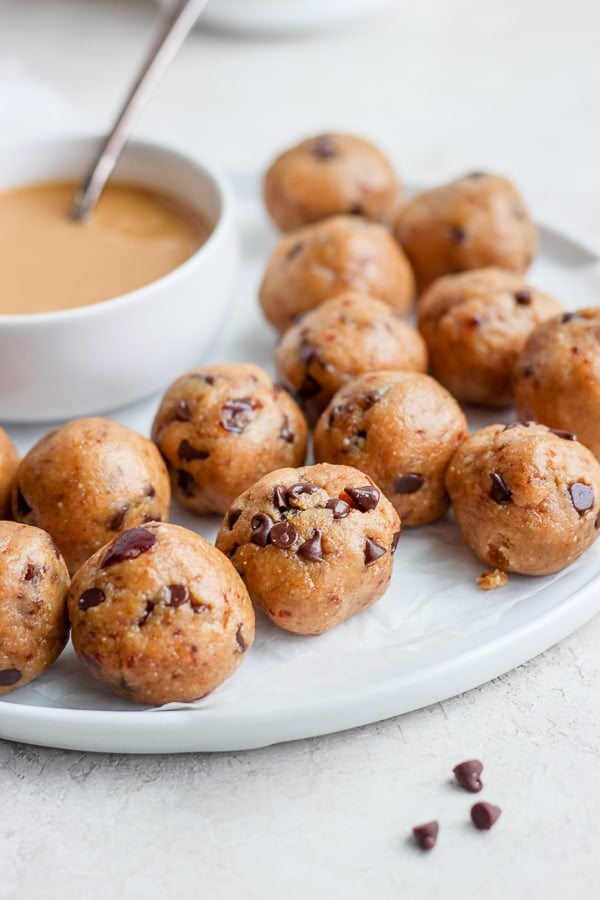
[(95, 358)]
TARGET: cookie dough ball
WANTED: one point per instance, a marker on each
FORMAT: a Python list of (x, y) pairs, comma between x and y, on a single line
[(345, 336), (557, 379), (401, 428), (325, 175), (220, 428), (479, 220), (88, 480), (339, 254), (314, 545), (34, 626), (159, 615), (526, 499), (9, 461), (475, 325)]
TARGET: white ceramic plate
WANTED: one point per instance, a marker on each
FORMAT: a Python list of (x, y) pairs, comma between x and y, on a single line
[(432, 636)]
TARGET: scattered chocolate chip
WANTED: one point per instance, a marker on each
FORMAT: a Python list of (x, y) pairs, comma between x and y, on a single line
[(116, 523), (523, 297), (147, 613), (296, 490), (373, 551), (186, 483), (129, 545), (91, 597), (582, 496), (237, 415), (323, 147), (32, 573), (468, 775), (312, 549), (565, 435), (568, 316), (283, 535), (457, 234), (483, 815), (183, 411), (499, 491), (294, 250), (232, 516), (426, 835), (178, 595), (261, 525), (280, 501), (310, 387), (187, 453), (364, 498), (395, 539), (408, 483), (241, 642), (22, 506), (339, 507)]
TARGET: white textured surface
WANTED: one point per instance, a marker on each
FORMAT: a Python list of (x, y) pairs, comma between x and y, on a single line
[(444, 86)]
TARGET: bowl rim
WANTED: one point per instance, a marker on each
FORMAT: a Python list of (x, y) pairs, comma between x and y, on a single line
[(212, 172)]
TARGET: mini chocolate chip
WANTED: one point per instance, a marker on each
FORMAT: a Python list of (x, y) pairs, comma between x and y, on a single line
[(310, 354), (178, 595), (240, 640), (475, 321), (565, 435), (370, 399), (323, 147), (395, 539), (483, 815), (183, 411), (22, 506), (187, 453), (499, 491), (116, 523), (148, 612), (261, 525), (237, 415), (283, 535), (148, 517), (92, 597), (356, 210), (408, 483), (426, 835), (150, 491), (294, 250), (280, 501), (373, 551), (340, 507), (8, 677), (129, 545), (312, 549), (200, 608), (364, 498), (186, 483), (568, 316), (582, 496), (286, 434), (310, 387), (32, 573), (296, 490), (207, 379), (468, 775), (232, 516), (457, 234), (523, 297)]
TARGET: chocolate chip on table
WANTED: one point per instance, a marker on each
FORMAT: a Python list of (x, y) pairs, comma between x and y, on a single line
[(483, 815), (116, 523), (523, 297), (373, 551), (178, 595), (8, 677), (457, 234), (240, 640), (186, 483), (237, 415), (129, 545), (312, 549), (283, 535), (565, 435), (426, 835), (499, 491), (261, 525), (232, 516), (364, 498), (183, 411), (280, 500), (323, 147), (90, 598), (339, 507), (468, 775), (582, 496), (188, 453), (408, 483)]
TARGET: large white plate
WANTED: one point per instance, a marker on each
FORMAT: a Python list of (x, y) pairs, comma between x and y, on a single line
[(433, 635)]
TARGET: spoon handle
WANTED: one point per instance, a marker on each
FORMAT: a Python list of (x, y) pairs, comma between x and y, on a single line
[(173, 30)]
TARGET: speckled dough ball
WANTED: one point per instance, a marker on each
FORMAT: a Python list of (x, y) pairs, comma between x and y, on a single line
[(401, 428), (345, 336), (159, 615), (557, 380), (9, 462), (475, 325), (220, 428), (526, 499), (339, 254), (314, 545), (325, 175), (34, 626), (88, 480), (479, 220)]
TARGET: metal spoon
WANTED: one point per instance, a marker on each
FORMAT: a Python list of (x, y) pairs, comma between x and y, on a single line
[(173, 30)]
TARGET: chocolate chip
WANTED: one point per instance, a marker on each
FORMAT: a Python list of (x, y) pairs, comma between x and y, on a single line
[(426, 835), (310, 354), (468, 775), (310, 387), (296, 490), (32, 573), (286, 434), (483, 815), (207, 379), (200, 607), (116, 523), (129, 545), (147, 613), (283, 535), (8, 677), (370, 398), (323, 147), (178, 595), (92, 597), (568, 316), (476, 175), (232, 517), (312, 549), (183, 411), (597, 522), (527, 371), (340, 507), (364, 498), (187, 453), (499, 491), (280, 500), (457, 234), (150, 491), (356, 210), (186, 483), (241, 641), (582, 496), (237, 415), (261, 525), (523, 297), (565, 435), (233, 550), (395, 539), (22, 506), (475, 321), (294, 250), (408, 483), (373, 551)]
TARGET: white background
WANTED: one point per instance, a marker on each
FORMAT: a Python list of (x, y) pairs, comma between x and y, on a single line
[(444, 86)]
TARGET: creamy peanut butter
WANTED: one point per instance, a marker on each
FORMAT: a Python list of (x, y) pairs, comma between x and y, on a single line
[(49, 263)]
